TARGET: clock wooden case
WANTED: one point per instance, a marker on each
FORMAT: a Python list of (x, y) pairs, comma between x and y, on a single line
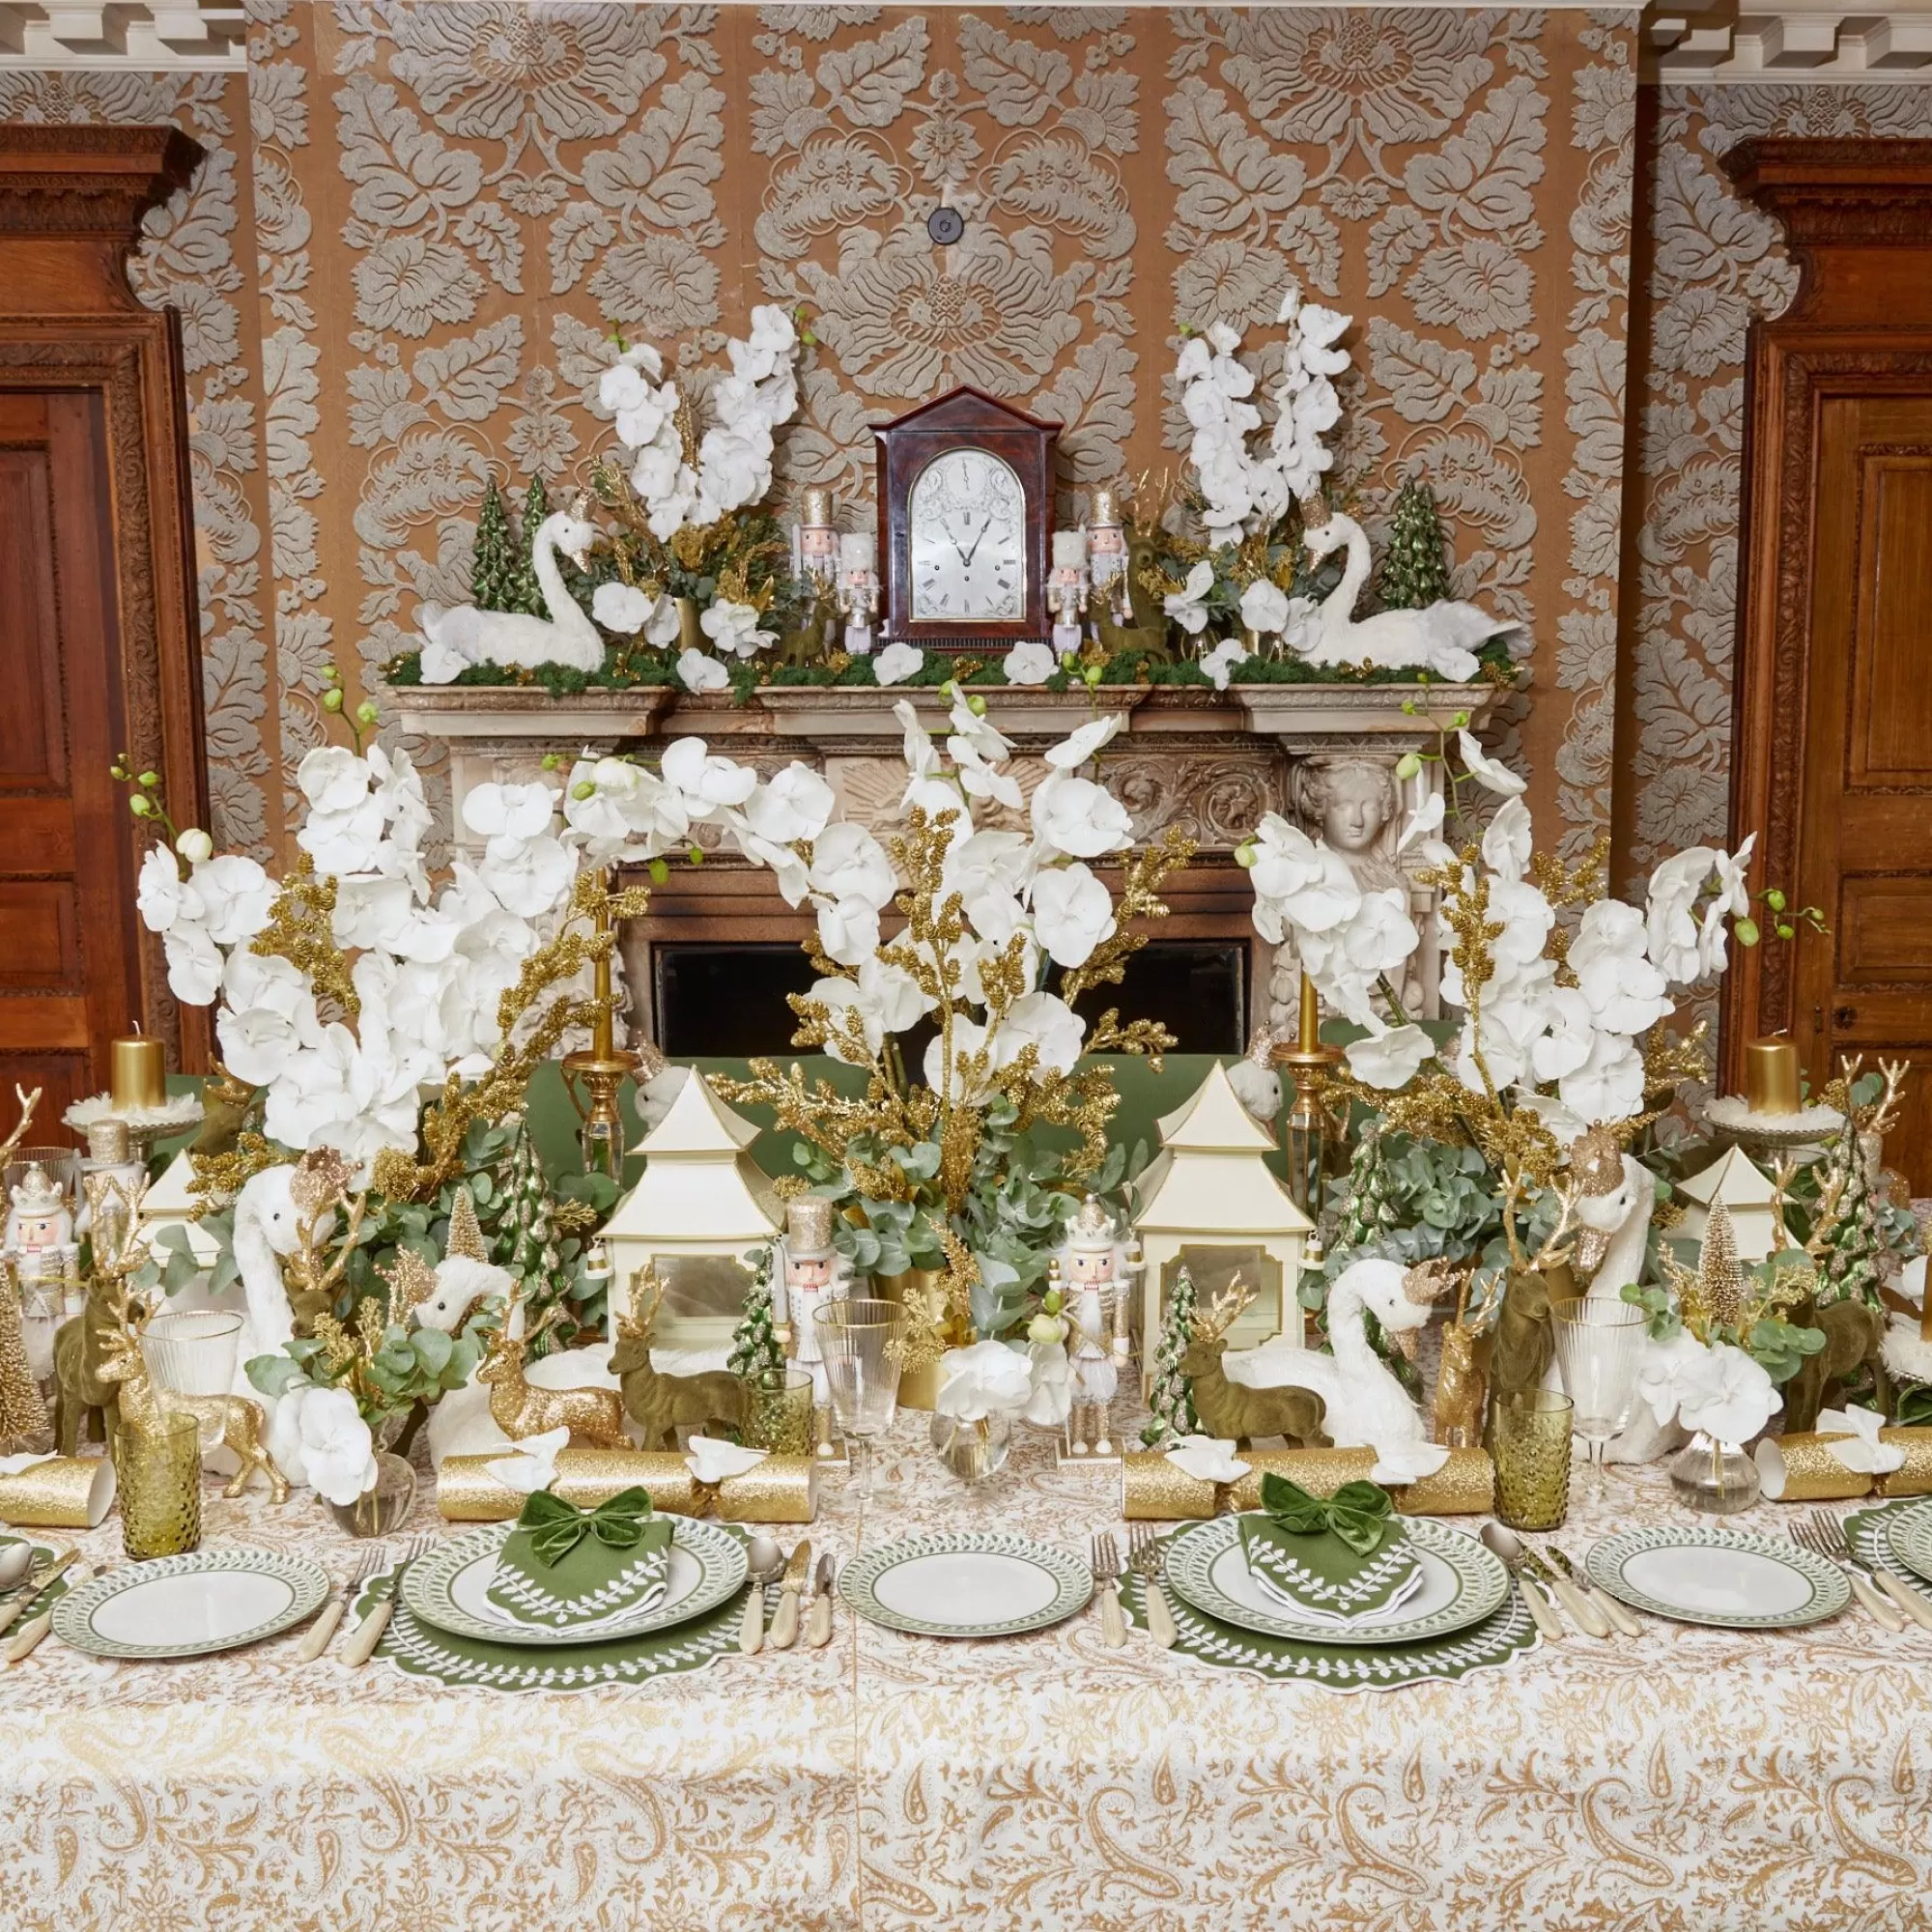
[(965, 486)]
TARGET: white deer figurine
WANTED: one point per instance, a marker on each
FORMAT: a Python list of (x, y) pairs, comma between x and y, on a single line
[(1365, 1406), (467, 636), (1442, 637)]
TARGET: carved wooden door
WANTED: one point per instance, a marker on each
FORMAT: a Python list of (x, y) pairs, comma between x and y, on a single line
[(99, 645), (1834, 698), (69, 958)]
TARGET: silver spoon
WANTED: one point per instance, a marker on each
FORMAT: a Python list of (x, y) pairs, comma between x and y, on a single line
[(1509, 1548), (14, 1562), (765, 1564)]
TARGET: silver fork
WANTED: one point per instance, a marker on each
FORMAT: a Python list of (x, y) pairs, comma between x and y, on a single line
[(336, 1606), (1107, 1573), (1834, 1543), (1147, 1560), (1806, 1537), (368, 1634)]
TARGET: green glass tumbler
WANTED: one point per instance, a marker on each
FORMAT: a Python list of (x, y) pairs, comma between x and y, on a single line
[(157, 1470), (1530, 1441)]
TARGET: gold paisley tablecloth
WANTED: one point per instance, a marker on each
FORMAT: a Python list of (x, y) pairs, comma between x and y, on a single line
[(1692, 1780)]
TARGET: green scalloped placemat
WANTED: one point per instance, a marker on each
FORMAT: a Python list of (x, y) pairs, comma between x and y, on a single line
[(421, 1650), (1869, 1533), (1341, 1667)]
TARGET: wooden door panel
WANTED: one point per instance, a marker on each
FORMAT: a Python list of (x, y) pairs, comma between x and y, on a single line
[(1889, 742), (1884, 924)]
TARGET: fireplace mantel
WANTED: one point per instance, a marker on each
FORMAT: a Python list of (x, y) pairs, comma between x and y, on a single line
[(1210, 762)]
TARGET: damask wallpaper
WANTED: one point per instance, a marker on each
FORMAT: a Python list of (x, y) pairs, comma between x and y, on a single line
[(420, 223)]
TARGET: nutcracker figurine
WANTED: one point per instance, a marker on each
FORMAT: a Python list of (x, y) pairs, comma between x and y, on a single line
[(858, 590), (40, 1242), (815, 1273), (1097, 1298), (1107, 558), (1066, 590)]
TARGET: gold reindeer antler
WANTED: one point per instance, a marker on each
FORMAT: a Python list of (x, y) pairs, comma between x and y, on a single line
[(1223, 1311), (28, 1103), (647, 1293)]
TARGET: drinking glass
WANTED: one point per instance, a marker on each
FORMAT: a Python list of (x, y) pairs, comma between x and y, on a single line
[(157, 1467), (1599, 1344), (777, 1414), (1530, 1437), (192, 1352), (863, 1344)]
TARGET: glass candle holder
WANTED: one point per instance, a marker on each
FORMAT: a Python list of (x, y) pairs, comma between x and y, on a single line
[(1530, 1442), (778, 1416), (157, 1467)]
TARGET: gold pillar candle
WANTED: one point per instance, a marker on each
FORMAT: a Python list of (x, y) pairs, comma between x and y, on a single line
[(1155, 1490), (63, 1492), (137, 1072), (782, 1489), (1914, 1476), (1801, 1468), (1771, 1076)]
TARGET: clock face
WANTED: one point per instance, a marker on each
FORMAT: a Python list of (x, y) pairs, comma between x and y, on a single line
[(966, 529)]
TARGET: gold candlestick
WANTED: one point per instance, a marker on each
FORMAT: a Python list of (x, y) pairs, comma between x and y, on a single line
[(1771, 1076), (138, 1072), (1308, 1063), (602, 1070)]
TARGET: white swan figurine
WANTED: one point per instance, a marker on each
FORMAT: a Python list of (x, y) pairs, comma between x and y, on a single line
[(466, 636), (1441, 637), (268, 1230), (1365, 1406)]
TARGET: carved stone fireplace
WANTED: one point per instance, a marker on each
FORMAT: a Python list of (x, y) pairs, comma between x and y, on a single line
[(709, 965)]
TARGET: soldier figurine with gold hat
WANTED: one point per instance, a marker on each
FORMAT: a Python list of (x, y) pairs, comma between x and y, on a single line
[(815, 1274)]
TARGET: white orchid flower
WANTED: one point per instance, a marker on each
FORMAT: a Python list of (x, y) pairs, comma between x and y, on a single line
[(529, 876), (969, 1038), (621, 607), (1665, 1369), (1506, 843), (848, 930), (1609, 1084), (1072, 913), (1185, 606), (1265, 608), (194, 964), (896, 662), (1728, 1395), (1043, 1021), (975, 734), (338, 1452), (1088, 742), (332, 778), (1486, 771), (164, 899), (1671, 925), (698, 672), (1222, 661), (1389, 1057), (1080, 818), (708, 784), (508, 810), (985, 1379), (1422, 823), (847, 863), (734, 628), (1029, 663), (796, 804)]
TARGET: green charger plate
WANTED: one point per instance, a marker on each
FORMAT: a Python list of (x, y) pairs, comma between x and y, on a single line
[(419, 1649), (1342, 1667), (1908, 1529)]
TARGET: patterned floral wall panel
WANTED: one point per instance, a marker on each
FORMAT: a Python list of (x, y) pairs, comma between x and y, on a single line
[(1717, 263), (199, 256)]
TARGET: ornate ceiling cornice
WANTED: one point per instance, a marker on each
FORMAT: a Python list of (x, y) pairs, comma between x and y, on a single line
[(190, 36), (90, 183), (1832, 44)]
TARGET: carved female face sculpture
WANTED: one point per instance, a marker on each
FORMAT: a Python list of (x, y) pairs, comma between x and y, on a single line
[(1354, 799)]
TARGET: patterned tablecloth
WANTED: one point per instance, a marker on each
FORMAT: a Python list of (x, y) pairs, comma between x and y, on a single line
[(1691, 1778)]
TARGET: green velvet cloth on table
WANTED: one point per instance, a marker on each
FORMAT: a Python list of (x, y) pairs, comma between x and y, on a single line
[(1343, 1555), (562, 1565)]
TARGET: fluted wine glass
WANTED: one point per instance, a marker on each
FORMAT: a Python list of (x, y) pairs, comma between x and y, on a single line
[(1599, 1347), (863, 1345)]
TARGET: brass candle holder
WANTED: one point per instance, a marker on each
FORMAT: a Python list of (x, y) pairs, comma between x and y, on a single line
[(602, 1068), (1308, 1128)]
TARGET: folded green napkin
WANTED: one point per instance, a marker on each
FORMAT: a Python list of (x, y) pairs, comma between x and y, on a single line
[(1342, 1555), (562, 1564)]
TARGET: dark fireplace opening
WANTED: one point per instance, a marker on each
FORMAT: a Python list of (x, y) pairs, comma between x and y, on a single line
[(715, 1001)]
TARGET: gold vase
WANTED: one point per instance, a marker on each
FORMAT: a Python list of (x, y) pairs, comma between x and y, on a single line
[(690, 632), (919, 1388)]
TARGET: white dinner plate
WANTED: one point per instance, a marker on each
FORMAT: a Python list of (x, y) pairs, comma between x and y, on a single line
[(1702, 1573), (1461, 1584), (190, 1605), (448, 1589), (966, 1583)]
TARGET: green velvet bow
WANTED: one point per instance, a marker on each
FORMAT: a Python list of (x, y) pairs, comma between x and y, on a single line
[(556, 1528), (1357, 1512)]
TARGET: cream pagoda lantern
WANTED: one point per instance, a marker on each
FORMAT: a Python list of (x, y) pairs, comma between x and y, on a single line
[(172, 1202), (1746, 1189), (701, 1204), (1210, 1202)]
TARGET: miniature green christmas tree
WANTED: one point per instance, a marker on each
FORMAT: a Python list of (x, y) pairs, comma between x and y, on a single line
[(1370, 1211), (23, 1415), (1172, 1402), (525, 593), (755, 1355), (492, 569), (1414, 572), (526, 1239)]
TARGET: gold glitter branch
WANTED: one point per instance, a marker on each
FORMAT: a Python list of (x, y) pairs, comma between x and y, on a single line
[(301, 929), (1142, 881)]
